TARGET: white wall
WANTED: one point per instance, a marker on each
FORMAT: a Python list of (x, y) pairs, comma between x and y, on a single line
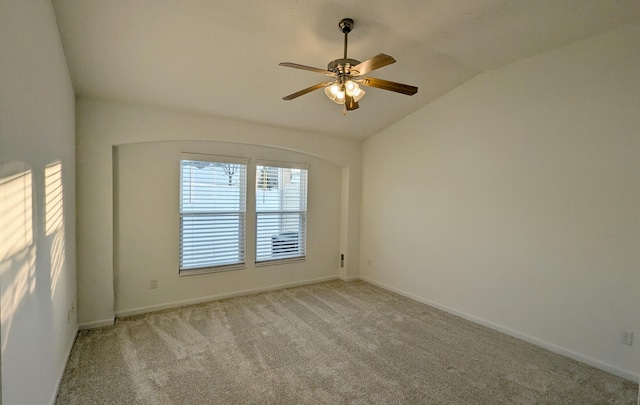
[(147, 227), (101, 125), (37, 240), (514, 200)]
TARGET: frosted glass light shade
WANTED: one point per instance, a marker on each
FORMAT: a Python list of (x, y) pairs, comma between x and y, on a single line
[(357, 95), (351, 87), (335, 93)]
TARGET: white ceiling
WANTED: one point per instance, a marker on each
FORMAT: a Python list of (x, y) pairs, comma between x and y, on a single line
[(221, 57)]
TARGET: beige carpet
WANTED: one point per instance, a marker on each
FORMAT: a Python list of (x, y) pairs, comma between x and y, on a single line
[(329, 343)]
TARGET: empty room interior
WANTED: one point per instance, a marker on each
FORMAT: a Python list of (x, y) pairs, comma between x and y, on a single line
[(319, 202)]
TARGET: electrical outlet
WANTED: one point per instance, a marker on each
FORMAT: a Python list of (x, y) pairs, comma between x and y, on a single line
[(154, 283), (626, 338), (369, 263)]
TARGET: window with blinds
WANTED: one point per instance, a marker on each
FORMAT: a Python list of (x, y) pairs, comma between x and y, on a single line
[(212, 212), (281, 212)]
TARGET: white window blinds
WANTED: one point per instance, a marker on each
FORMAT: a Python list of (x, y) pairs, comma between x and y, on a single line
[(212, 212), (281, 212)]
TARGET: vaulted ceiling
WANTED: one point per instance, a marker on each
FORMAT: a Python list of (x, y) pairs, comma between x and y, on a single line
[(221, 57)]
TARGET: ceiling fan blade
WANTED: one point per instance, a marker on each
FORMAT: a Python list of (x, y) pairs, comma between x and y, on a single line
[(351, 104), (378, 61), (309, 68), (387, 85), (307, 90)]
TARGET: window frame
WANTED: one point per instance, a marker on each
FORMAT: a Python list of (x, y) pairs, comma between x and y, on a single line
[(242, 214), (303, 213)]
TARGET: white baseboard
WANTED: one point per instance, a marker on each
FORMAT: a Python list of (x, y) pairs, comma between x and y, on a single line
[(349, 279), (96, 324), (176, 304), (527, 338), (64, 367)]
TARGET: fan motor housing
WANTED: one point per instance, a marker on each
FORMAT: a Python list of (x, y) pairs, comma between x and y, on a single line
[(341, 66)]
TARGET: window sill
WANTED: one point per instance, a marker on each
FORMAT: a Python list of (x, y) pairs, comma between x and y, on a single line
[(207, 270), (276, 262)]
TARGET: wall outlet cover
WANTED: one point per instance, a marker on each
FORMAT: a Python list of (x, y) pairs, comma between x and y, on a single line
[(626, 338)]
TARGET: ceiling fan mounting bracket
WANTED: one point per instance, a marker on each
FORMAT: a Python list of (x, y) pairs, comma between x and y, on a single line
[(346, 25)]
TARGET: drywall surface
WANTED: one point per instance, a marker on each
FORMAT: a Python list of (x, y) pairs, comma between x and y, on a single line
[(148, 221), (103, 125), (37, 203), (514, 200)]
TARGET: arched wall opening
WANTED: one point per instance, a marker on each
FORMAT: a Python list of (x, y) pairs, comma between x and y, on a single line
[(115, 138)]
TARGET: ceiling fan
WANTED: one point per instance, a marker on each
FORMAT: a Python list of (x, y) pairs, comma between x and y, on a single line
[(347, 76)]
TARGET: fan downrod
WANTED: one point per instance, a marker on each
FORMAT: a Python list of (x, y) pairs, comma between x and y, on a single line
[(343, 66)]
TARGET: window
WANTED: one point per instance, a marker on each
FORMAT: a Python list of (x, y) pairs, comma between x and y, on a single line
[(212, 212), (281, 211)]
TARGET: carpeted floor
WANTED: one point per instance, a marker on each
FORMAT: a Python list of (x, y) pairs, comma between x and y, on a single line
[(328, 343)]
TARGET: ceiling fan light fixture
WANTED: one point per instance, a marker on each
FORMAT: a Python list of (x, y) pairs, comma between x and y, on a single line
[(335, 93), (352, 89), (357, 95), (335, 89)]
